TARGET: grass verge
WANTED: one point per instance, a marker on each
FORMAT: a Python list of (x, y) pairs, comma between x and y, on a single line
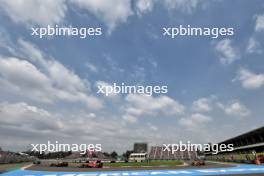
[(14, 166), (150, 163)]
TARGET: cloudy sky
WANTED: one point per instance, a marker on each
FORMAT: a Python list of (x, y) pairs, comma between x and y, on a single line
[(48, 86)]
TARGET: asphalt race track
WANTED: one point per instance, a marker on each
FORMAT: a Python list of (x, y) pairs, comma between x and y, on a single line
[(241, 169)]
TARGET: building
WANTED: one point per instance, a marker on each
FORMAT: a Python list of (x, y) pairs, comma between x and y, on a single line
[(140, 148), (159, 153), (247, 147)]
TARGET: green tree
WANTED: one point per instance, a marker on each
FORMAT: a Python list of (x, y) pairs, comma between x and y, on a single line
[(114, 155), (127, 153)]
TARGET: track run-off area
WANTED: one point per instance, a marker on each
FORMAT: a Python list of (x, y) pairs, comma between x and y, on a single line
[(247, 169)]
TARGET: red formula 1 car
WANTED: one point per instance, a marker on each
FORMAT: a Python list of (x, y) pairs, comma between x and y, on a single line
[(198, 163), (259, 159), (59, 164), (92, 164)]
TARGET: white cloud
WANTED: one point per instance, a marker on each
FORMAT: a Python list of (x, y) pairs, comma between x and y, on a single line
[(44, 80), (152, 127), (22, 121), (130, 118), (91, 67), (195, 121), (259, 22), (138, 105), (31, 118), (113, 65), (186, 6), (250, 80), (139, 74), (26, 79), (114, 12), (31, 51), (111, 12), (144, 6), (253, 46), (234, 108), (61, 76), (26, 124), (35, 11), (5, 41), (202, 105), (226, 52)]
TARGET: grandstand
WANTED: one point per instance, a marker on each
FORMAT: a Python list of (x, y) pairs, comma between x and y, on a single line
[(90, 155), (158, 153), (247, 147), (7, 157)]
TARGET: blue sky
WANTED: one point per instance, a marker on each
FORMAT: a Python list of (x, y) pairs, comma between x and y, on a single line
[(48, 86)]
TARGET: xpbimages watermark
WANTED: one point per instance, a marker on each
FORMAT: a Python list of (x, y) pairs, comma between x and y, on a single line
[(182, 147), (188, 30), (57, 147), (131, 89), (81, 32)]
